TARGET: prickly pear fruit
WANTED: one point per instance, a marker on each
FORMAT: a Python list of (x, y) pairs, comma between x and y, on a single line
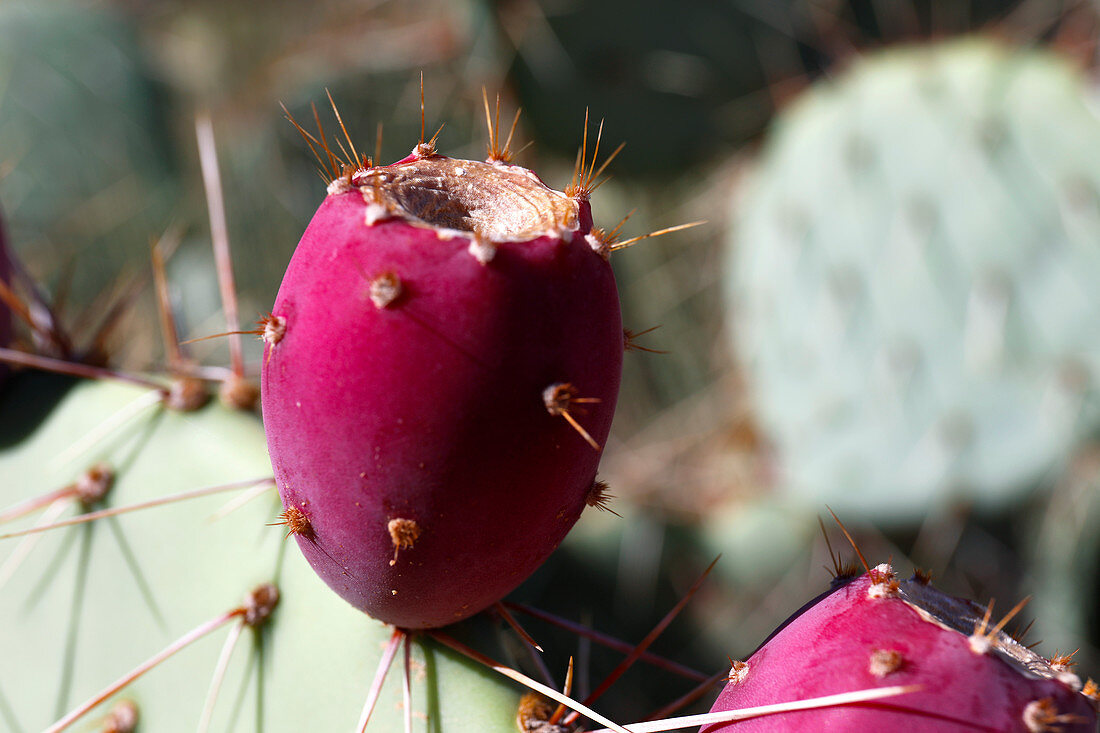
[(910, 223), (876, 631), (441, 369)]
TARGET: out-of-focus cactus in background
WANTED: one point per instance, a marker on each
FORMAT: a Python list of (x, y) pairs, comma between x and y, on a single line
[(85, 148), (913, 280)]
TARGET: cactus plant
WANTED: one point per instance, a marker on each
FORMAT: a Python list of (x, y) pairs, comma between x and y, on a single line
[(911, 279), (551, 263), (92, 601), (964, 672)]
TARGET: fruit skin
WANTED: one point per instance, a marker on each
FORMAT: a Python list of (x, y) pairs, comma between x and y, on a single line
[(876, 632), (431, 408), (911, 279)]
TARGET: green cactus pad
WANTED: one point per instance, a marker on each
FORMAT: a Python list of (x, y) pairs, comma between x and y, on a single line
[(913, 279), (93, 601)]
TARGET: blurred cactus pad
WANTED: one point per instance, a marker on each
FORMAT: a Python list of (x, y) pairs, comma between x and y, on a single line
[(912, 279)]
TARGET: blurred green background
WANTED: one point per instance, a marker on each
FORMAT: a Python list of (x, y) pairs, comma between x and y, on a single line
[(747, 113)]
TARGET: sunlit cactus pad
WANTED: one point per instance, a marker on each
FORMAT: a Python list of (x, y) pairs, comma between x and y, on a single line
[(91, 602), (913, 278)]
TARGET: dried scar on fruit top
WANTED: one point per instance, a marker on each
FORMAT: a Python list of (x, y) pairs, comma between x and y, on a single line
[(499, 203)]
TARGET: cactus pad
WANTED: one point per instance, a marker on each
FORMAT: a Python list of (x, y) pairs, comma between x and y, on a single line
[(913, 278)]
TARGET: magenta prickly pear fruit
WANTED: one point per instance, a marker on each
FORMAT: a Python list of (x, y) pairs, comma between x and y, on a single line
[(442, 364), (876, 631)]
